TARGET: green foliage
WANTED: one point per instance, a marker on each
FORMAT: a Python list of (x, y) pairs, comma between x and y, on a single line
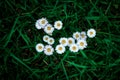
[(18, 37)]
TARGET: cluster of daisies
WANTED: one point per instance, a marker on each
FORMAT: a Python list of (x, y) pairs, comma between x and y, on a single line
[(78, 41), (48, 28)]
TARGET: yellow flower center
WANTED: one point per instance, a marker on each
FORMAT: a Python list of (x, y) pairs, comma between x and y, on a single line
[(74, 48), (51, 40), (70, 41), (76, 35), (63, 41), (58, 24), (60, 48), (39, 47), (43, 21), (81, 44), (49, 50), (82, 35), (91, 33), (46, 38), (48, 28)]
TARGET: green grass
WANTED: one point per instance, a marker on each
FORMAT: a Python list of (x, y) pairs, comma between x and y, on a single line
[(18, 37)]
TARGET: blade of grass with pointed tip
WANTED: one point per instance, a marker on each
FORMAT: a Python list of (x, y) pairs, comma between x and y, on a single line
[(65, 71), (17, 59), (11, 32)]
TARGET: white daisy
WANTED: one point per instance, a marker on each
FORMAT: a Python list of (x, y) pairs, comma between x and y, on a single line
[(60, 49), (82, 44), (48, 50), (63, 41), (49, 29), (39, 47), (91, 33), (58, 25), (45, 38), (71, 41), (37, 25), (43, 22), (51, 41), (83, 35), (74, 48), (76, 35)]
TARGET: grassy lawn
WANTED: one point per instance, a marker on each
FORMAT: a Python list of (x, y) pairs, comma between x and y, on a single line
[(18, 37)]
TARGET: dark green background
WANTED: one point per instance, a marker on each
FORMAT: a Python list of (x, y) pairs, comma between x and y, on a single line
[(18, 37)]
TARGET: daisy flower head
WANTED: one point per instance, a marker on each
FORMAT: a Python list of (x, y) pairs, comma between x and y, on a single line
[(76, 35), (39, 47), (49, 29), (37, 25), (74, 48), (43, 22), (82, 44), (60, 49), (83, 35), (71, 41), (51, 41), (58, 25), (45, 38), (91, 33), (48, 50), (63, 41)]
